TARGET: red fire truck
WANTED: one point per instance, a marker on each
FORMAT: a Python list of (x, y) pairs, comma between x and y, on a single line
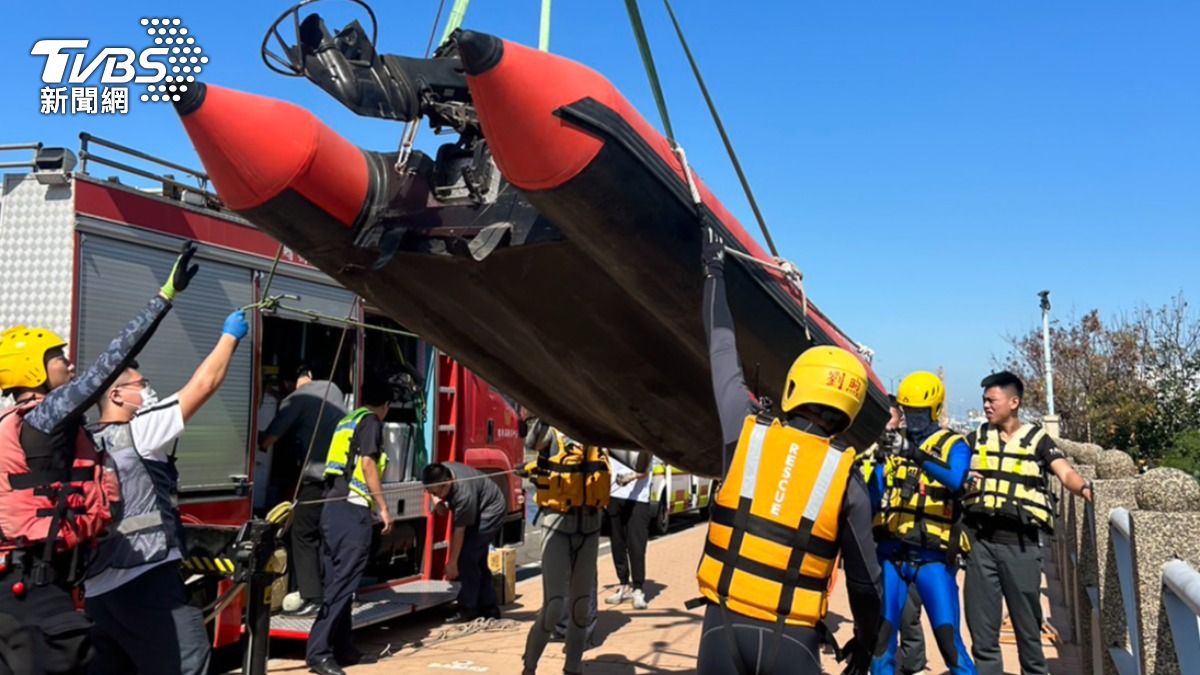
[(81, 252)]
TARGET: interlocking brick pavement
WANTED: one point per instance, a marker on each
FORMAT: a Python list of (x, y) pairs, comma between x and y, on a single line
[(661, 639)]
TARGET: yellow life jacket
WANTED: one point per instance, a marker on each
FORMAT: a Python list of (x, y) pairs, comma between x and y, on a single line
[(575, 475), (1014, 482), (865, 461), (340, 455), (773, 533), (918, 510)]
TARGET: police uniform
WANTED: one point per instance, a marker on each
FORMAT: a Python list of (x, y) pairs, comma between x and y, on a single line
[(345, 533), (1006, 514)]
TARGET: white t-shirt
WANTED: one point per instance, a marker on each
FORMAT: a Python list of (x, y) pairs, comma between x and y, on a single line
[(154, 431), (638, 490)]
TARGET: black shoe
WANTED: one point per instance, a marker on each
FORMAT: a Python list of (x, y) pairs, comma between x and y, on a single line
[(490, 613), (326, 666), (462, 616), (309, 608)]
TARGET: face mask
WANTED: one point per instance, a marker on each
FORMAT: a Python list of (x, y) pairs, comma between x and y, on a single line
[(149, 397), (920, 423)]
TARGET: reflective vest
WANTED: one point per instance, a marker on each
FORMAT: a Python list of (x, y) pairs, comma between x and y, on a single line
[(773, 533), (77, 504), (575, 475), (341, 455), (146, 525), (918, 510), (1014, 482)]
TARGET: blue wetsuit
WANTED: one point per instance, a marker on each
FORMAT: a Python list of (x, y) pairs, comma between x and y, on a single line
[(928, 569)]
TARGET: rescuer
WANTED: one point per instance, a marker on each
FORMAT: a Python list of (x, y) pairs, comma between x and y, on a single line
[(54, 495), (143, 619), (572, 482), (790, 492), (918, 525)]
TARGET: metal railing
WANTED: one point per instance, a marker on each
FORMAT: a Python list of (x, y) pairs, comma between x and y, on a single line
[(1127, 661), (1181, 598), (30, 164), (171, 186)]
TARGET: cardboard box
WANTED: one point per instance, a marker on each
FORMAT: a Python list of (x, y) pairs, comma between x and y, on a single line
[(503, 563)]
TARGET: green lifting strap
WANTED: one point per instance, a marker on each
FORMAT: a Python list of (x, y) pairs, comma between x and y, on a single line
[(544, 28), (639, 32), (712, 109), (457, 12)]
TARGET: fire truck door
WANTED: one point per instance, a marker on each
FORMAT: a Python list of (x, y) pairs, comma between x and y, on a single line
[(117, 278)]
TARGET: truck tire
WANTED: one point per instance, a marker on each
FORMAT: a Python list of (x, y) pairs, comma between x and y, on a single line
[(662, 516)]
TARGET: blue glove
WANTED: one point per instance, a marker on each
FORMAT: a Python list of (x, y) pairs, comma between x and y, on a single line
[(235, 325)]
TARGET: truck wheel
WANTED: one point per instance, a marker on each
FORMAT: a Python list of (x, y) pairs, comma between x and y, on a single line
[(662, 517)]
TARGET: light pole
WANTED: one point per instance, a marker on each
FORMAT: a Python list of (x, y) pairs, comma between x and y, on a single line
[(1051, 420)]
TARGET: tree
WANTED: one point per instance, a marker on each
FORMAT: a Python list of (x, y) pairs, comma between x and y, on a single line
[(1133, 383), (1170, 337), (1099, 393)]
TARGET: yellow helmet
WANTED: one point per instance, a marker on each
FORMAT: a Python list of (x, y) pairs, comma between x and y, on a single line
[(829, 376), (22, 356), (922, 389)]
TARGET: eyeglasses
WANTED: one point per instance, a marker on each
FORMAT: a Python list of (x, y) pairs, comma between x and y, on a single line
[(141, 384)]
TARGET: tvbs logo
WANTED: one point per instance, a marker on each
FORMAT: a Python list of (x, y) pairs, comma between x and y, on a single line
[(166, 67)]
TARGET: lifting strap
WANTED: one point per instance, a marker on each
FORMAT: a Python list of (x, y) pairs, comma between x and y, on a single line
[(544, 27), (789, 271)]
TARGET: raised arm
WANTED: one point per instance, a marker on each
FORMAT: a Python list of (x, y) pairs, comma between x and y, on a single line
[(734, 400)]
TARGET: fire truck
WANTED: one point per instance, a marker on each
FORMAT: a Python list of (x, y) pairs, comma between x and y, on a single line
[(81, 252)]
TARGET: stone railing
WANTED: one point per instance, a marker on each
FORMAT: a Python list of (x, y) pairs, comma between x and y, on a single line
[(1127, 564)]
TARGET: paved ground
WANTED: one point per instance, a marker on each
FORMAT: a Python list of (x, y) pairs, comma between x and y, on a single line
[(661, 639)]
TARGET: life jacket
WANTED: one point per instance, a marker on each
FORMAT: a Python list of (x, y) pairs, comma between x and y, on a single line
[(59, 511), (342, 454), (1014, 482), (575, 475), (773, 533), (917, 510), (146, 526)]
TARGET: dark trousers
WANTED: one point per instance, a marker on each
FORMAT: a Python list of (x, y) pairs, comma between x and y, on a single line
[(725, 641), (999, 574), (41, 633), (475, 592), (305, 553), (148, 626), (345, 547), (912, 635), (629, 525)]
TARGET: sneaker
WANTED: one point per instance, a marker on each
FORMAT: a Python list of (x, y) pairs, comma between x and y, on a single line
[(639, 600), (623, 593)]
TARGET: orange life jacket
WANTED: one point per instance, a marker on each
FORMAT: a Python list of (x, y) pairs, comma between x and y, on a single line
[(76, 505)]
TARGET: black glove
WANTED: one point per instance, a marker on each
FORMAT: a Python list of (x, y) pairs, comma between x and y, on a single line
[(182, 272), (858, 659), (712, 252), (906, 450)]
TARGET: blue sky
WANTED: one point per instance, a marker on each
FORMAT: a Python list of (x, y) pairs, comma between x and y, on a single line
[(930, 166)]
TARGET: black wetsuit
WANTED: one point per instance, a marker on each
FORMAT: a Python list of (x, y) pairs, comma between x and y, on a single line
[(799, 647), (40, 629)]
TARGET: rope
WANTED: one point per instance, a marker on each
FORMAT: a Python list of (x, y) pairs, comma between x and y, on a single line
[(409, 137), (712, 109), (456, 18), (410, 488), (544, 28), (789, 271), (312, 440), (639, 33), (480, 625)]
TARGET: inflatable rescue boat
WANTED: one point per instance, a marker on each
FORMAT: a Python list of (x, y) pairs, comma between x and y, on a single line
[(553, 247)]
